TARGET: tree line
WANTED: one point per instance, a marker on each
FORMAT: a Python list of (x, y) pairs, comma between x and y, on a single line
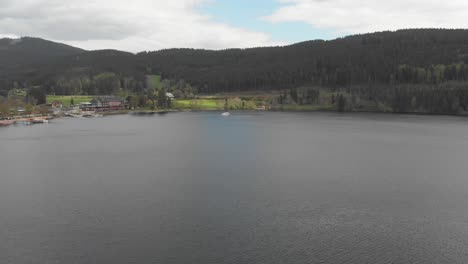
[(423, 69)]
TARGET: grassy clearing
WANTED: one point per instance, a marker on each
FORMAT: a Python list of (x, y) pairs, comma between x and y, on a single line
[(65, 99), (215, 104), (199, 104)]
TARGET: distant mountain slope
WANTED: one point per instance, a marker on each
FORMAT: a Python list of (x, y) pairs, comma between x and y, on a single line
[(378, 58), (38, 46), (98, 60), (24, 52), (358, 59)]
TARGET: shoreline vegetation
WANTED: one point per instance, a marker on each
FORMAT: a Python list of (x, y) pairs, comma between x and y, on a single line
[(416, 71), (214, 103), (41, 119), (310, 100), (160, 96)]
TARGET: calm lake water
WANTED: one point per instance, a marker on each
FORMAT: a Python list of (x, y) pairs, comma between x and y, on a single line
[(268, 188)]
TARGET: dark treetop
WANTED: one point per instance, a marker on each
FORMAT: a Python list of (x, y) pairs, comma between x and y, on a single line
[(418, 68)]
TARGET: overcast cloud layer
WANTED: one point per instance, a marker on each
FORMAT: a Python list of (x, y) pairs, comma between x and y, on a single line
[(139, 25), (135, 25), (363, 16)]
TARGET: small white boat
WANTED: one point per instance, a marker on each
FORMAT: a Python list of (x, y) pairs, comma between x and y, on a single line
[(74, 115), (40, 120), (6, 122), (226, 114), (24, 123), (90, 114)]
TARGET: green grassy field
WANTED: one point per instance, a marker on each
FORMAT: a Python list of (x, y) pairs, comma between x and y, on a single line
[(66, 99), (199, 104)]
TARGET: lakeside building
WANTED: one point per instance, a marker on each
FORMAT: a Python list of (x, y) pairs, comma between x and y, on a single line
[(170, 96), (56, 104), (104, 104), (17, 110)]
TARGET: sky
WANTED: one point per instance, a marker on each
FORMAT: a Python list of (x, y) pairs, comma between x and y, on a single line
[(144, 25)]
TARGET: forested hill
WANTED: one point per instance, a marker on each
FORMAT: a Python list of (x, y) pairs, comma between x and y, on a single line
[(376, 58), (360, 59), (371, 61), (23, 52)]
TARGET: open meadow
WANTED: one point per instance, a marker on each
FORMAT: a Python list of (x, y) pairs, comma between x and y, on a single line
[(66, 99)]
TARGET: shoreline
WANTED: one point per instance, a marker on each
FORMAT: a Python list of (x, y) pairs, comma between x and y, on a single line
[(34, 119)]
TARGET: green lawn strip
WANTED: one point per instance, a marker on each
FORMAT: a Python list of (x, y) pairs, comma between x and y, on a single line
[(66, 99), (198, 104)]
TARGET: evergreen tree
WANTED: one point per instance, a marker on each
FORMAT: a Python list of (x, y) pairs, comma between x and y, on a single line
[(341, 103)]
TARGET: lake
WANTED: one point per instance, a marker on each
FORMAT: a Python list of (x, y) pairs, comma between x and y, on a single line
[(265, 188)]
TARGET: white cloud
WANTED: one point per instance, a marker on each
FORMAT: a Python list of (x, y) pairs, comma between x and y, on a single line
[(362, 16), (121, 24)]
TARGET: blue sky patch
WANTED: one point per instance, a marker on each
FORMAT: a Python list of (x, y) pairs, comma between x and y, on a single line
[(248, 14)]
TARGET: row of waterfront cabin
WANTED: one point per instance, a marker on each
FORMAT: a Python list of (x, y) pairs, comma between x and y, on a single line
[(104, 104)]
